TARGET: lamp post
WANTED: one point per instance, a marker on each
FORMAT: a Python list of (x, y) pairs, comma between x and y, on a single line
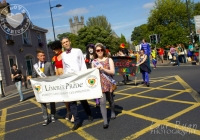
[(189, 25), (58, 5)]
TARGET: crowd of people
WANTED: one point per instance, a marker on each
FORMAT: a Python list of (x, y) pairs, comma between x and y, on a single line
[(97, 56)]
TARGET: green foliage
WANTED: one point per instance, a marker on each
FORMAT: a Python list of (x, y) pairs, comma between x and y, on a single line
[(73, 38), (139, 33), (170, 19), (100, 21), (96, 34)]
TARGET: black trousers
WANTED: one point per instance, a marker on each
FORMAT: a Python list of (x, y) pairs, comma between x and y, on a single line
[(74, 111)]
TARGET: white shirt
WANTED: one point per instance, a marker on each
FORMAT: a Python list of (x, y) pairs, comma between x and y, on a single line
[(73, 61), (42, 64)]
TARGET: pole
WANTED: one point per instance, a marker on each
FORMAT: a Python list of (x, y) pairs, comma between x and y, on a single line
[(189, 22), (52, 20)]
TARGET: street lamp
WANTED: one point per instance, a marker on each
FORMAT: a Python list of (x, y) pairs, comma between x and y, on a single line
[(58, 5), (189, 22)]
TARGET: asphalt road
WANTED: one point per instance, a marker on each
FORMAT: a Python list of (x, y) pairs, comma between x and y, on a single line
[(168, 109)]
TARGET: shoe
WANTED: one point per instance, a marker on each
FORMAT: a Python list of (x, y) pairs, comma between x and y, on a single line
[(53, 120), (148, 85), (21, 100), (76, 126), (46, 122), (112, 118), (128, 80), (97, 105), (90, 118), (2, 95), (67, 117), (72, 120), (105, 126), (142, 82)]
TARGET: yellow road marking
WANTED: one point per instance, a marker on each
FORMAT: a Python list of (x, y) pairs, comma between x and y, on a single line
[(21, 111), (68, 124), (21, 128), (139, 85), (192, 92), (23, 117), (182, 112), (3, 123), (16, 95), (18, 105)]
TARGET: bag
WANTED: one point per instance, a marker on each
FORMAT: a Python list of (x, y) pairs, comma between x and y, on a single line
[(174, 57), (114, 87)]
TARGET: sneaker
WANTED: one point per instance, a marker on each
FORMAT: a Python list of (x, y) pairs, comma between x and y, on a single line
[(53, 119), (76, 126), (90, 118), (45, 122), (21, 100)]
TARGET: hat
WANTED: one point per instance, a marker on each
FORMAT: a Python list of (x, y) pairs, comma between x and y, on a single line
[(122, 45)]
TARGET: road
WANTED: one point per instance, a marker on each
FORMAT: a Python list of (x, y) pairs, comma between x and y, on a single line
[(168, 109)]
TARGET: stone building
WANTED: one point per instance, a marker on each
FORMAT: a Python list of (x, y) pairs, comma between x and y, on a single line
[(20, 50), (76, 25)]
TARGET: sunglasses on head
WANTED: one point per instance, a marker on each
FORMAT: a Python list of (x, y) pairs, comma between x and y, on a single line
[(99, 50)]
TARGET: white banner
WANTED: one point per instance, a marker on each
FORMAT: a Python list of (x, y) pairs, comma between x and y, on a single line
[(68, 87)]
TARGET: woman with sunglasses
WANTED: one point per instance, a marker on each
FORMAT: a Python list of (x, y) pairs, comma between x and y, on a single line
[(106, 67), (144, 68), (57, 61)]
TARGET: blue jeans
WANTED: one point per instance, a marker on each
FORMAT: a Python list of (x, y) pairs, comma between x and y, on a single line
[(145, 77), (19, 89)]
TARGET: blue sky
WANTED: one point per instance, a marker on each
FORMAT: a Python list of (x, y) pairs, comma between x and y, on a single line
[(123, 15)]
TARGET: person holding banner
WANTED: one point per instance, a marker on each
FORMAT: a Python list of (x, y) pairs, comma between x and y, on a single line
[(73, 61), (57, 62), (144, 67), (43, 69), (106, 67)]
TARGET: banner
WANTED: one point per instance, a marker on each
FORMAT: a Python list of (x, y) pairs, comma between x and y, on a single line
[(125, 65), (68, 87)]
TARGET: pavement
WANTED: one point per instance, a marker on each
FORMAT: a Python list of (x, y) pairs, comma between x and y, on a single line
[(168, 109)]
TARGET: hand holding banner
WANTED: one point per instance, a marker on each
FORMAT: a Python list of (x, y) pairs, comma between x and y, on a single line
[(68, 87)]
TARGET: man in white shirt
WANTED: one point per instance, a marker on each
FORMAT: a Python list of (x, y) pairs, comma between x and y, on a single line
[(73, 61)]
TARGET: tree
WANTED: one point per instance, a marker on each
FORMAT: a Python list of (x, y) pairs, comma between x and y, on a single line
[(73, 38), (96, 34), (100, 21), (139, 33), (170, 18)]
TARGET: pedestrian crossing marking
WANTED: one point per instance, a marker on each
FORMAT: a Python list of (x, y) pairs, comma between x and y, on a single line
[(169, 80)]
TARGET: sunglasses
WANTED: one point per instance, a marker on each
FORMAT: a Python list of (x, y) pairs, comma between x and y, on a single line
[(100, 50)]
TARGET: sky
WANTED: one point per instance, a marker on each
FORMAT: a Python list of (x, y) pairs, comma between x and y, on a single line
[(123, 15)]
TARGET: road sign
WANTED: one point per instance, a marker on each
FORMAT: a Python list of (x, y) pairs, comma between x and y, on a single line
[(197, 24)]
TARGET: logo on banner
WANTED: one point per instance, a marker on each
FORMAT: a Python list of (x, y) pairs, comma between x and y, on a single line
[(91, 81), (37, 87)]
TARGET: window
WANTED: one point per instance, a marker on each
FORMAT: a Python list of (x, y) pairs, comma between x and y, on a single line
[(39, 38), (26, 38), (12, 60)]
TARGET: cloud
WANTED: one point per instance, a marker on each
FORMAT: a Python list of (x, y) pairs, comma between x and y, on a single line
[(149, 5), (77, 11), (91, 6), (37, 2), (126, 24), (58, 30)]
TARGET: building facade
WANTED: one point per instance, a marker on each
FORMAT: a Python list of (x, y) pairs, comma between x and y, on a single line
[(21, 50), (76, 25)]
